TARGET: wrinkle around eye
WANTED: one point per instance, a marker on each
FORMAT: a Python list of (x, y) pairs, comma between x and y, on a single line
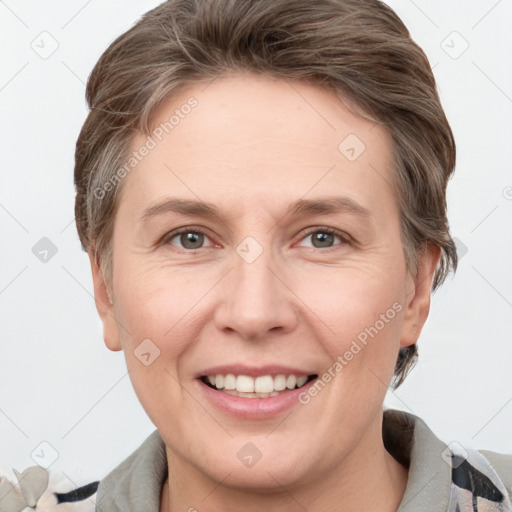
[(340, 239)]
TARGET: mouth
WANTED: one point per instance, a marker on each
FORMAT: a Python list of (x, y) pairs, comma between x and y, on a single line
[(263, 386)]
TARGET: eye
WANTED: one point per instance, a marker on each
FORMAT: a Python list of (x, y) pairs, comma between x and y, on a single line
[(187, 238), (192, 239), (324, 238)]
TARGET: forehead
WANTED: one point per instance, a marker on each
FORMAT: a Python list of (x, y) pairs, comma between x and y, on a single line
[(262, 141)]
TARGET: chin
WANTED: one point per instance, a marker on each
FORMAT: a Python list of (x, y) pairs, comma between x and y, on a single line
[(242, 465)]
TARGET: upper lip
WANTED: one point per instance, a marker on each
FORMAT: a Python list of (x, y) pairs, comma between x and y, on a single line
[(253, 371)]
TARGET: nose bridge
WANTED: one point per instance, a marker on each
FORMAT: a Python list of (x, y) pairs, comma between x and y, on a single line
[(255, 300), (253, 279)]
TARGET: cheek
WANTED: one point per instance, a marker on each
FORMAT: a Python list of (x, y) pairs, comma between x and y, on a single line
[(348, 300), (156, 304), (358, 317), (152, 359), (152, 319)]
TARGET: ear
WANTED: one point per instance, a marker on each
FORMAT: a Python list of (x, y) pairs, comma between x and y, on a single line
[(417, 301), (104, 306)]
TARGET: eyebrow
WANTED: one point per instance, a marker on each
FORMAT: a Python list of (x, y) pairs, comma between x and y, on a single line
[(302, 207)]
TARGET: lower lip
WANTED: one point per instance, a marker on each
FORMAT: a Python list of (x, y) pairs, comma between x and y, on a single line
[(254, 408)]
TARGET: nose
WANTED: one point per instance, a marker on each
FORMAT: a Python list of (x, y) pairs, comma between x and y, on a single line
[(255, 299)]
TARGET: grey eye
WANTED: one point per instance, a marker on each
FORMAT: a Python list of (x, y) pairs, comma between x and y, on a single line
[(189, 239), (322, 239), (192, 240)]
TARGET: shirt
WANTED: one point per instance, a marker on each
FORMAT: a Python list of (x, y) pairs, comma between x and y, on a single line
[(442, 478)]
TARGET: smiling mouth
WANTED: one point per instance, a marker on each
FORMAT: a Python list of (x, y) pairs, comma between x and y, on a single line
[(264, 386)]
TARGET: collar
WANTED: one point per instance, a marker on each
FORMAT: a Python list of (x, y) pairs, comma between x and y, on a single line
[(137, 482)]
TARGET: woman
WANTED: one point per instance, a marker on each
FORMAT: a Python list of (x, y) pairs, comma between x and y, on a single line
[(261, 189)]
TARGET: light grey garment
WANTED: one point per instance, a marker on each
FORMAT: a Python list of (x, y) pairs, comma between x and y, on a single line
[(136, 484)]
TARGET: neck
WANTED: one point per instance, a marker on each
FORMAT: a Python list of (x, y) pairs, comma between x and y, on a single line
[(368, 478)]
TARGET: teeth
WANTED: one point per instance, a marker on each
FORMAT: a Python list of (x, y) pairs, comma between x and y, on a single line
[(244, 383), (262, 386), (219, 381), (229, 381), (280, 382), (291, 381), (301, 381), (252, 395)]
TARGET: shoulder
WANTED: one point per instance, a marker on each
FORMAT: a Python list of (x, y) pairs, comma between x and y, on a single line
[(446, 477), (481, 477), (136, 483), (501, 463)]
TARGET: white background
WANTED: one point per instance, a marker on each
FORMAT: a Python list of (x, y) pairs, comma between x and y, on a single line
[(60, 384)]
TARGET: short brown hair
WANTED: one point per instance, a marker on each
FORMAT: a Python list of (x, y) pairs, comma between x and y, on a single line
[(359, 48)]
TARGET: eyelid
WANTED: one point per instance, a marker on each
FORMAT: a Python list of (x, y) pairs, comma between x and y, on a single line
[(187, 229), (344, 237)]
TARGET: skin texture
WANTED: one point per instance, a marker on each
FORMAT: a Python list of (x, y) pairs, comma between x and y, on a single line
[(252, 146)]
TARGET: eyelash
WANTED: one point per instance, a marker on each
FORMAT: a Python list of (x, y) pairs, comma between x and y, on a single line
[(342, 236), (345, 239)]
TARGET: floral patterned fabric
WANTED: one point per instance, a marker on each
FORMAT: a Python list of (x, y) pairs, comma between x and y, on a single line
[(442, 478), (476, 486)]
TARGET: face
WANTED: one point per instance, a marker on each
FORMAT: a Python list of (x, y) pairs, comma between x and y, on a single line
[(259, 244)]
